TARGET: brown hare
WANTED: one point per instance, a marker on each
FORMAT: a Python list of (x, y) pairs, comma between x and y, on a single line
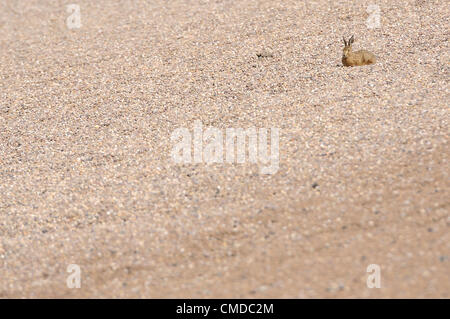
[(361, 57)]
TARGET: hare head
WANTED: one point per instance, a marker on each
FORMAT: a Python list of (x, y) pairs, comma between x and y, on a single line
[(348, 46)]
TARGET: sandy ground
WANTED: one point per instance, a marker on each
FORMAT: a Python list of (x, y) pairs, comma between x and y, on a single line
[(87, 177)]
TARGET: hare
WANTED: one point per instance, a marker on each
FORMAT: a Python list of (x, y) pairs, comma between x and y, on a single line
[(361, 57)]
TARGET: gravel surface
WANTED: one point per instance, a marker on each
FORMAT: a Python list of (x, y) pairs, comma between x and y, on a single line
[(87, 177)]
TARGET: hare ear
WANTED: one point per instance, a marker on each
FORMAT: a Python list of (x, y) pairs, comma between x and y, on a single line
[(345, 42), (351, 40)]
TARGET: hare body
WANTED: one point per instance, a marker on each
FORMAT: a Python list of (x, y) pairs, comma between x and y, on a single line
[(361, 57)]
